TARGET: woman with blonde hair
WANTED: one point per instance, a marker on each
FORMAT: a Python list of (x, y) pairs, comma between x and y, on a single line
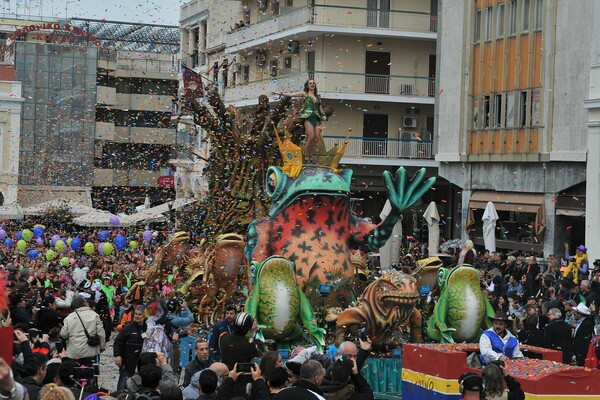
[(52, 391), (467, 254)]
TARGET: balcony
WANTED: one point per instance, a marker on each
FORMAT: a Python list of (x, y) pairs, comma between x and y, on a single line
[(150, 135), (143, 102), (342, 85), (362, 148), (191, 10), (105, 131), (349, 20), (150, 68)]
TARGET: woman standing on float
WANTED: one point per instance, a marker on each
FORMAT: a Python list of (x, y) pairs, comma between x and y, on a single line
[(313, 113)]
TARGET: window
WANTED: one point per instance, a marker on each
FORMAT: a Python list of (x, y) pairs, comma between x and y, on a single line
[(246, 73), (287, 62), (498, 111), (274, 68), (486, 111), (488, 23), (523, 109), (525, 15), (475, 112), (289, 3), (538, 14), (500, 21), (477, 27), (275, 7), (512, 17)]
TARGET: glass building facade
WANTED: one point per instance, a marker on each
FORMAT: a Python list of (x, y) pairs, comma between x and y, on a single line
[(58, 120)]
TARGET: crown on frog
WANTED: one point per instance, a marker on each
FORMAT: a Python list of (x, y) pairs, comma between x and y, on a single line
[(358, 258), (292, 156)]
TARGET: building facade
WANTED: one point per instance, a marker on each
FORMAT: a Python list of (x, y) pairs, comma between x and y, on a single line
[(11, 102), (98, 100), (511, 125), (374, 62)]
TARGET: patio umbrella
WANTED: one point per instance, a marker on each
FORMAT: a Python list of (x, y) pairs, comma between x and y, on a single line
[(390, 252), (432, 217), (490, 216)]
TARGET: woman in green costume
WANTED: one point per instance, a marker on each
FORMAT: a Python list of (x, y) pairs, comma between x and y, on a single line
[(313, 113)]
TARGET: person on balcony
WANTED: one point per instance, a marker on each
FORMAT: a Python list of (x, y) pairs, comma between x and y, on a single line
[(313, 114)]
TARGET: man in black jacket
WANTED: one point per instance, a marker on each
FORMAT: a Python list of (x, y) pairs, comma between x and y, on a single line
[(557, 335), (582, 334), (33, 384), (345, 382), (47, 317), (307, 387), (200, 362), (128, 347)]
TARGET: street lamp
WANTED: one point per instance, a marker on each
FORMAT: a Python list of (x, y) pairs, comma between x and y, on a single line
[(67, 8)]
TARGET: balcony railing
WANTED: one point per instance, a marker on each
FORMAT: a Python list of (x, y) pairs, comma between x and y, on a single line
[(147, 64), (340, 16), (191, 9), (383, 148), (338, 82)]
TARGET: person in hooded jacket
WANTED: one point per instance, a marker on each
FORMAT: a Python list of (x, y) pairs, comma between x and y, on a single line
[(345, 382), (128, 347)]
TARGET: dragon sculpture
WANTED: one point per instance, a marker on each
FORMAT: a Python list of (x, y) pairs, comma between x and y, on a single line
[(385, 306)]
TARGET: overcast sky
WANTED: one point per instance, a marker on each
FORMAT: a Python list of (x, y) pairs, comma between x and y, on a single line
[(164, 12)]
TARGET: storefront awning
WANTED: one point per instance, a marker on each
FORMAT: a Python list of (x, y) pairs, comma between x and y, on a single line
[(507, 201)]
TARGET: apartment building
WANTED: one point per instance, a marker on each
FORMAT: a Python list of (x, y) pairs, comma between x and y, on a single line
[(592, 212), (96, 113), (10, 130), (374, 61), (511, 125)]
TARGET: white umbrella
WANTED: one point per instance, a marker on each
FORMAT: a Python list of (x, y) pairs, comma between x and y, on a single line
[(432, 217), (390, 252), (490, 216)]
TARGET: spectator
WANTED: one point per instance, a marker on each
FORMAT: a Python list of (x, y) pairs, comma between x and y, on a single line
[(307, 387), (514, 286), (128, 347), (221, 370), (557, 335), (345, 382), (68, 377), (47, 317), (235, 348), (34, 383), (268, 362), (150, 358), (52, 391), (207, 384), (150, 376), (497, 384), (18, 309), (190, 391), (467, 254), (200, 362), (259, 389), (78, 326), (171, 393), (530, 334), (218, 329), (589, 296), (279, 380), (569, 306), (470, 385), (582, 335), (497, 343)]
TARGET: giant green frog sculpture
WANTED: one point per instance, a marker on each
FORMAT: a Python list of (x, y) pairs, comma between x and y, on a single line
[(462, 308), (278, 304)]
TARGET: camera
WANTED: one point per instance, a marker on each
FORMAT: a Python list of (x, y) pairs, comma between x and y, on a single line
[(362, 333), (245, 368), (83, 373)]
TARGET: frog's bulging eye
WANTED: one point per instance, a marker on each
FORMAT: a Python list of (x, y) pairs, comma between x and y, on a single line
[(276, 182)]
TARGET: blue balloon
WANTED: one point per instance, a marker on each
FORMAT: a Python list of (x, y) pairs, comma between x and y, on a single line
[(9, 243), (33, 254), (120, 242), (38, 231), (76, 243), (55, 238), (103, 235), (19, 235)]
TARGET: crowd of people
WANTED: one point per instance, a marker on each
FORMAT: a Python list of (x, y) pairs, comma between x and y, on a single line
[(551, 303), (64, 315)]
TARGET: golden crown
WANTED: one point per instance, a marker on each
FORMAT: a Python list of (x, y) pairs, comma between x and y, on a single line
[(291, 154)]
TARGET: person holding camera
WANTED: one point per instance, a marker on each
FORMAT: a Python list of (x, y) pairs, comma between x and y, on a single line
[(470, 385), (498, 384), (84, 333)]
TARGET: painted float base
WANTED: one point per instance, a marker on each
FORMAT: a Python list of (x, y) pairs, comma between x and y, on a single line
[(431, 372)]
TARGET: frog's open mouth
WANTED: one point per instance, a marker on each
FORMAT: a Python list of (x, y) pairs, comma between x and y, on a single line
[(398, 297)]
